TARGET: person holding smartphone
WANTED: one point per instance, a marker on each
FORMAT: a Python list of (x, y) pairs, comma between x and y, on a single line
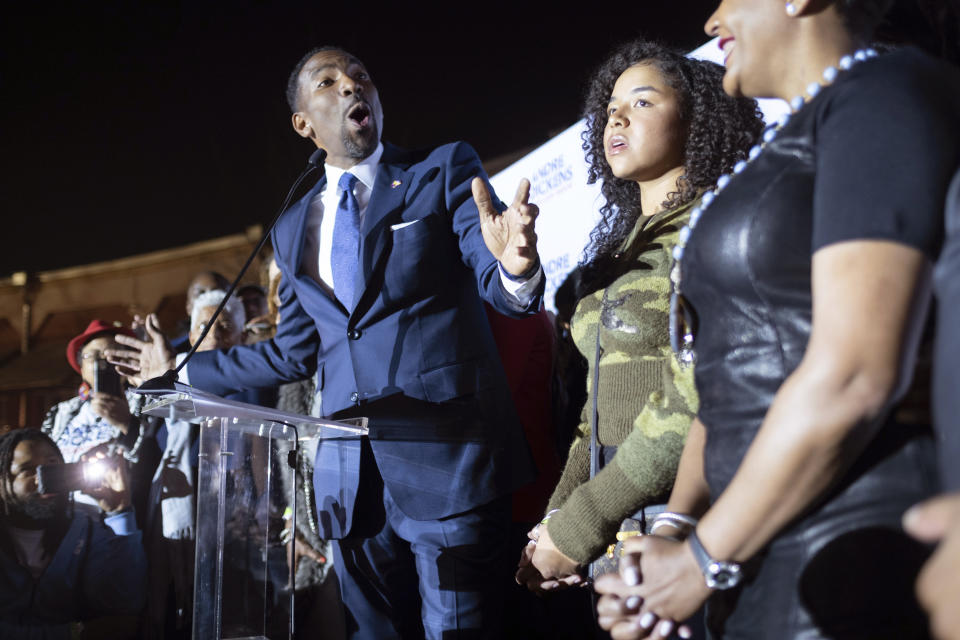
[(102, 412), (61, 566)]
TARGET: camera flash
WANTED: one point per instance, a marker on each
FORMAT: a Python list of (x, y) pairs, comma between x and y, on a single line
[(93, 471)]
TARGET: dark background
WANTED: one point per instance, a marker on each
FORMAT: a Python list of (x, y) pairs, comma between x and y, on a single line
[(129, 127), (134, 127)]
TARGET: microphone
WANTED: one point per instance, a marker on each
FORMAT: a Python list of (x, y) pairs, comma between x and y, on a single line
[(165, 382), (315, 160)]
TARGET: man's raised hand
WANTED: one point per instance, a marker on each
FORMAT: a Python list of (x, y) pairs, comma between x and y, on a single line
[(509, 235), (142, 360)]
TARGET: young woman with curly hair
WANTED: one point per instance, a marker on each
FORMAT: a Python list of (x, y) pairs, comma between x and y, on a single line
[(660, 130)]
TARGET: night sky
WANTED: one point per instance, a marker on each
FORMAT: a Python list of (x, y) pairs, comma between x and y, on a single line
[(129, 129)]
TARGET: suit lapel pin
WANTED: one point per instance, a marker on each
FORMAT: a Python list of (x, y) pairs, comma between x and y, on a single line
[(394, 184)]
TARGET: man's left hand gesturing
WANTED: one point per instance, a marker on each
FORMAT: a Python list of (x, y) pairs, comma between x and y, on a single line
[(509, 235)]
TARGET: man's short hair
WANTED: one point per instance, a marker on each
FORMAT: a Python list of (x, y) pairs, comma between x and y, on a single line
[(211, 299), (293, 82)]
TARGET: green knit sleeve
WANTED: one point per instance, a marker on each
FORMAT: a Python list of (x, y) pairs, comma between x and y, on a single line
[(641, 473), (577, 469)]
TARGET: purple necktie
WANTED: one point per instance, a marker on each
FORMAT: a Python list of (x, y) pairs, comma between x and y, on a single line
[(345, 252)]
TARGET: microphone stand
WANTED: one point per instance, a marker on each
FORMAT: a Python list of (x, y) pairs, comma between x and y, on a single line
[(166, 381)]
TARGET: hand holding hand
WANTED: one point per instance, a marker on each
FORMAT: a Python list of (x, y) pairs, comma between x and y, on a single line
[(621, 609), (553, 563), (510, 235), (528, 576), (142, 360), (938, 584), (618, 609), (667, 578)]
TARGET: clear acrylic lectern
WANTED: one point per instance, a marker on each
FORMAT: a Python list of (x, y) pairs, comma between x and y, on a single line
[(243, 585)]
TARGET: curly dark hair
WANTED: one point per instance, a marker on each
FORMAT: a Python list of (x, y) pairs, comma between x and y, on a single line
[(720, 131)]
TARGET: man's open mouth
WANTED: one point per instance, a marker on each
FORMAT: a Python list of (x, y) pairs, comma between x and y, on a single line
[(359, 115)]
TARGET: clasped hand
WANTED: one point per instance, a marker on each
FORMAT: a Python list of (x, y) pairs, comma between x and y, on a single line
[(509, 235), (659, 584), (543, 567)]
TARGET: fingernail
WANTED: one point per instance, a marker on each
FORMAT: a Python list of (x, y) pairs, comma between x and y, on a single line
[(633, 602), (910, 517), (685, 633), (666, 628), (631, 576), (647, 620)]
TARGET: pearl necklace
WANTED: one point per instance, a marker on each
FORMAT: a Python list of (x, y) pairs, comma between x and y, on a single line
[(684, 351)]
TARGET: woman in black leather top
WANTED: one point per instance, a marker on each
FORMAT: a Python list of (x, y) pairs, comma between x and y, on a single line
[(805, 282)]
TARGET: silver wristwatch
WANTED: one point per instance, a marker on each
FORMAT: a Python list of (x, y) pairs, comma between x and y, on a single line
[(718, 574)]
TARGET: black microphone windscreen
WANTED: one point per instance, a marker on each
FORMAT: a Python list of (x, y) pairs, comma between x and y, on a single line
[(317, 157)]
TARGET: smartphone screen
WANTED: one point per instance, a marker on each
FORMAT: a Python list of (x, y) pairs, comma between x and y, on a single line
[(106, 379), (60, 478)]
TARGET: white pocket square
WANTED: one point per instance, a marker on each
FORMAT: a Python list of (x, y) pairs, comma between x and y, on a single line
[(401, 225)]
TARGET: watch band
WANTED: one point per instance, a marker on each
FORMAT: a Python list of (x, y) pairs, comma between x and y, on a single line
[(717, 573), (703, 558)]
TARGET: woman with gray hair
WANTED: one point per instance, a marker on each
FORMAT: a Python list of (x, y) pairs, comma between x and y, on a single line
[(228, 330)]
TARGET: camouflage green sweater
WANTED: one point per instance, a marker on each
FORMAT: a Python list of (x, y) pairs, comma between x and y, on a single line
[(646, 401)]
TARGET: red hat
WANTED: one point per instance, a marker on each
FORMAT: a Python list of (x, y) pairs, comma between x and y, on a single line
[(96, 329)]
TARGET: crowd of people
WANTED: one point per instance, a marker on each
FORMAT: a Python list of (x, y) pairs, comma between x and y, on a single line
[(725, 431)]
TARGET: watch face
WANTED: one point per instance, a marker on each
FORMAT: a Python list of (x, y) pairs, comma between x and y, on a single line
[(723, 575)]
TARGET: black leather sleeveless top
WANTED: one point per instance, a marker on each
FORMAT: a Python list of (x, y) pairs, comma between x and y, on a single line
[(747, 278), (747, 265)]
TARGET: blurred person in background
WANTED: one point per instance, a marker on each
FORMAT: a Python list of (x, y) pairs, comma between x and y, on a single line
[(103, 411), (201, 283), (254, 303)]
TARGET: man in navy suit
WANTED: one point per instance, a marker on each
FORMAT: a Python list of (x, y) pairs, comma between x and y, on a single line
[(420, 509)]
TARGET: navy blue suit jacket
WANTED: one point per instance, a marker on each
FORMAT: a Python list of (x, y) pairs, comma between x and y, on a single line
[(415, 354)]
